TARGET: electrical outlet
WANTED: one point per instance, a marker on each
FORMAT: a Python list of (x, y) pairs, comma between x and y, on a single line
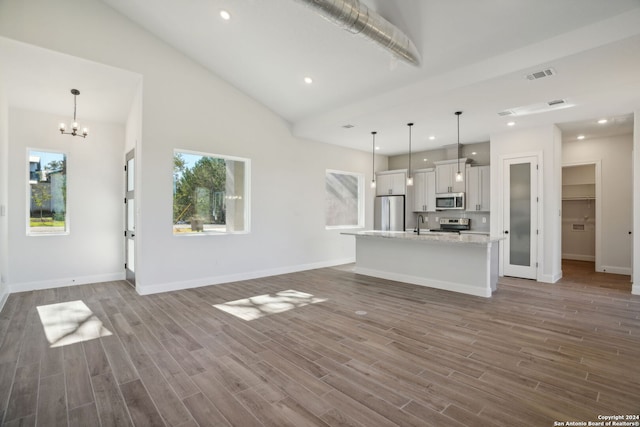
[(437, 219), (484, 219)]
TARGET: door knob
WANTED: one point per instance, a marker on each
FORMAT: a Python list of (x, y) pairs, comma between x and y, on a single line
[(506, 231)]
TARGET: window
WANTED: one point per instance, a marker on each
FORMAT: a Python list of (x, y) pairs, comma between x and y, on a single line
[(47, 193), (210, 193), (344, 199)]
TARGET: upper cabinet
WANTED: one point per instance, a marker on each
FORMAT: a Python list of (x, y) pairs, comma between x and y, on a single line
[(391, 183), (424, 191), (446, 171), (478, 188)]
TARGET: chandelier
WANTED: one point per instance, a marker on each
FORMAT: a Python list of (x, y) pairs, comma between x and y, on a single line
[(74, 126)]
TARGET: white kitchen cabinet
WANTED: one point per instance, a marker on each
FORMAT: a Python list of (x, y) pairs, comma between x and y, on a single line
[(391, 183), (424, 191), (446, 172), (478, 188)]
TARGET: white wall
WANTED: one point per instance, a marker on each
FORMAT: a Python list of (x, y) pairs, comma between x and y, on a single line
[(547, 141), (92, 251), (614, 153), (185, 106), (4, 186), (133, 128)]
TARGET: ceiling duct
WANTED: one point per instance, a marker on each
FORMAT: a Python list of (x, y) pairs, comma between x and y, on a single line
[(357, 18)]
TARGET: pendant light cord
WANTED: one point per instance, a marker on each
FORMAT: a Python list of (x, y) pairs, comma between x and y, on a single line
[(458, 143), (410, 125), (373, 157), (458, 113)]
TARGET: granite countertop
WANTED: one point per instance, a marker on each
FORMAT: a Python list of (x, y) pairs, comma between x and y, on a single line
[(429, 236)]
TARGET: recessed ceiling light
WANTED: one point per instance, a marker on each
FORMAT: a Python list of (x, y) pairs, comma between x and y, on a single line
[(602, 121), (308, 80), (425, 159), (511, 124), (580, 136), (474, 153), (432, 137), (225, 15), (377, 148)]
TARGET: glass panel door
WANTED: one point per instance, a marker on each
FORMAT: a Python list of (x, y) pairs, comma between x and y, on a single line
[(520, 214), (130, 219), (520, 217)]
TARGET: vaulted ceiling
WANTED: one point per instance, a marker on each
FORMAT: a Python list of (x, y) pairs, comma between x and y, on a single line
[(475, 58)]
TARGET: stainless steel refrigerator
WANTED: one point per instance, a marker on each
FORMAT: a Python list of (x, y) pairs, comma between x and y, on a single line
[(388, 214)]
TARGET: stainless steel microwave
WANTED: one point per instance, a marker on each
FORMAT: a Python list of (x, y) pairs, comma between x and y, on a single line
[(447, 201)]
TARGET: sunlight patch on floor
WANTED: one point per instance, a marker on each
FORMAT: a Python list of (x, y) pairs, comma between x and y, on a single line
[(263, 305), (69, 323)]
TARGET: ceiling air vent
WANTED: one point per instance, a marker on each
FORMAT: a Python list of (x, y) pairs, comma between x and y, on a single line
[(556, 102), (542, 107), (542, 73)]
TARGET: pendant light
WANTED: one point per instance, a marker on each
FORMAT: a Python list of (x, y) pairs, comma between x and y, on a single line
[(409, 177), (373, 161), (459, 177), (74, 125)]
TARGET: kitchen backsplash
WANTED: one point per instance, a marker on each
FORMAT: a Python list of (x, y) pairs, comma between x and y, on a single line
[(432, 218)]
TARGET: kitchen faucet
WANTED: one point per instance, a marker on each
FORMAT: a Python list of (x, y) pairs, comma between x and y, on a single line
[(420, 218)]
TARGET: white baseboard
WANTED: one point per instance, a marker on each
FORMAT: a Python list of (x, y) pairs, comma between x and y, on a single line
[(616, 270), (550, 278), (438, 284), (217, 280), (635, 289), (578, 257), (59, 283)]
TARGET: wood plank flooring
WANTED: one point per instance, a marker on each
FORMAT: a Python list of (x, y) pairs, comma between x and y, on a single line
[(532, 354)]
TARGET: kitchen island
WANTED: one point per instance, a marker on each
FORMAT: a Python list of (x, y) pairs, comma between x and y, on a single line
[(466, 263)]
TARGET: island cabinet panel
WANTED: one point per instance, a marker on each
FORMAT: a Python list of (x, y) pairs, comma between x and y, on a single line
[(424, 191), (391, 183), (430, 259), (478, 188), (446, 172)]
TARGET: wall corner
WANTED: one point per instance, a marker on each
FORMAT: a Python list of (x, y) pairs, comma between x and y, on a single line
[(635, 249)]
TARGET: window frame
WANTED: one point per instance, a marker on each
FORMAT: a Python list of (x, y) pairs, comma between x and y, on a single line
[(67, 221), (246, 195), (361, 201)]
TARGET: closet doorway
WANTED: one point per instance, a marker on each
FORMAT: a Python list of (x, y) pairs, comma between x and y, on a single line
[(581, 213)]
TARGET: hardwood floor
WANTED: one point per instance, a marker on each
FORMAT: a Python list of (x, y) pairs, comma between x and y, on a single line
[(532, 354)]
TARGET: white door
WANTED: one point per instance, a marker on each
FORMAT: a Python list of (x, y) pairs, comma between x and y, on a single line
[(520, 216)]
